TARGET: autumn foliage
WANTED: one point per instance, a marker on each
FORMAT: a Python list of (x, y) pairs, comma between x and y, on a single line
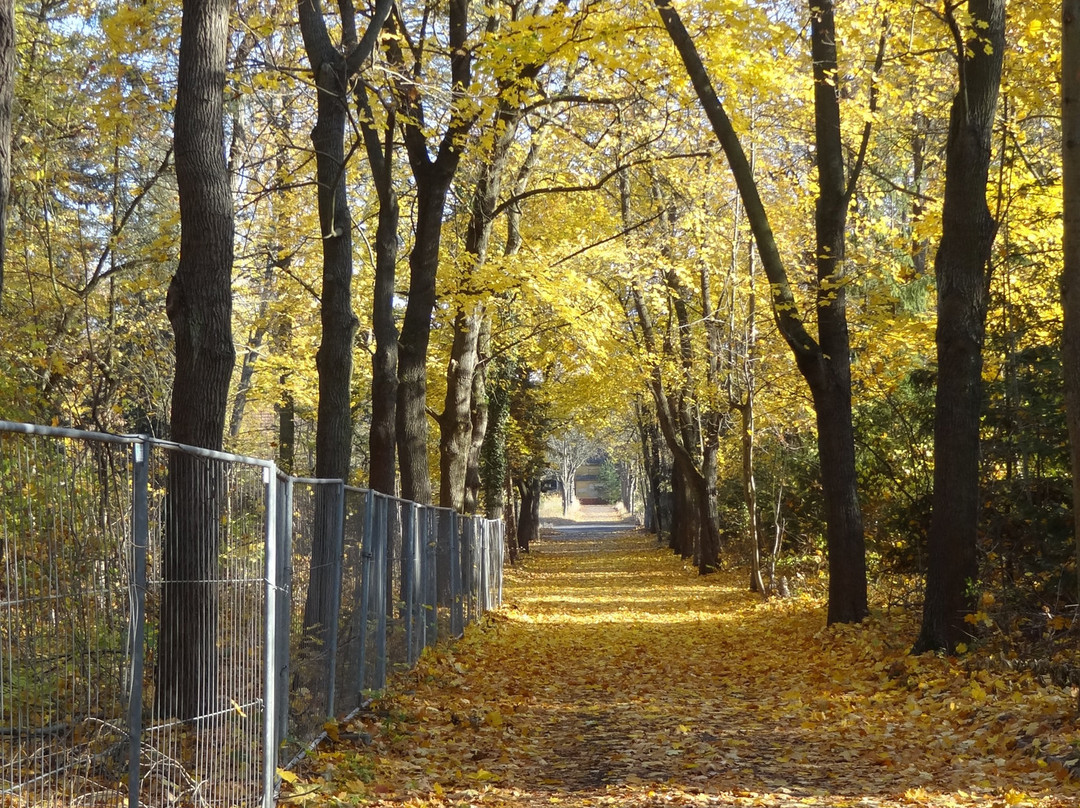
[(615, 675)]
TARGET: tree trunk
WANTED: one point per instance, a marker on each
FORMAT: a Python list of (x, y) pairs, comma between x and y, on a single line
[(962, 268), (286, 413), (824, 365), (412, 425), (334, 359), (1070, 277), (473, 480), (746, 411), (528, 521), (493, 460), (382, 440), (251, 353), (7, 96), (694, 530), (432, 179), (456, 420), (829, 375), (199, 306), (650, 451), (509, 515)]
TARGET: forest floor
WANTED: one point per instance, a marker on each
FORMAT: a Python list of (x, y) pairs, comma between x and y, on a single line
[(614, 675)]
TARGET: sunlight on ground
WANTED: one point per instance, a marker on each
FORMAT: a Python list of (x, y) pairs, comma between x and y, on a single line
[(617, 676)]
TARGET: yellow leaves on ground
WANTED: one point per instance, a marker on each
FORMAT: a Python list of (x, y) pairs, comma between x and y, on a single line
[(616, 676)]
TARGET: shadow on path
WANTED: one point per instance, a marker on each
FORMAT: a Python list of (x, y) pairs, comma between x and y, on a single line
[(616, 676)]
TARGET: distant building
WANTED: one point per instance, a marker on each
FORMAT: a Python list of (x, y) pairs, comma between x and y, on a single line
[(587, 488)]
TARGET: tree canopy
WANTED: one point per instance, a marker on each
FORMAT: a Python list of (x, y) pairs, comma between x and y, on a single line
[(537, 209)]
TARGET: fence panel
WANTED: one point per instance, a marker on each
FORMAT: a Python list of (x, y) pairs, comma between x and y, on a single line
[(317, 518), (204, 690), (66, 629), (176, 623)]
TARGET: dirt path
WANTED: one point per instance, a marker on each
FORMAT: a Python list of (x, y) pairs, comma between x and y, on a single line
[(616, 676)]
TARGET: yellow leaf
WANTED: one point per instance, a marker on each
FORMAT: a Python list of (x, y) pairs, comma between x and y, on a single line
[(287, 776)]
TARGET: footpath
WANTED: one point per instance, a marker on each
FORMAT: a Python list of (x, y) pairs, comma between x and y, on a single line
[(615, 675)]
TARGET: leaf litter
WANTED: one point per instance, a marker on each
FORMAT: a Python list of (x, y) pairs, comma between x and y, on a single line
[(614, 675)]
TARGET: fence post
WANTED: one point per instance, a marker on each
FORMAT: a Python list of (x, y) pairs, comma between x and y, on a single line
[(470, 579), (365, 583), (485, 543), (431, 574), (501, 555), (284, 604), (270, 619), (381, 555), (408, 575), (335, 597), (140, 532), (457, 621)]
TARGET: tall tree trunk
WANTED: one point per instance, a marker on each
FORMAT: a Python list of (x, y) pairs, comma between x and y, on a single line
[(458, 417), (432, 178), (650, 453), (510, 517), (455, 423), (829, 375), (334, 359), (528, 522), (251, 353), (694, 530), (412, 425), (286, 413), (333, 73), (382, 440), (493, 461), (1070, 277), (199, 306), (824, 362), (962, 268), (7, 96), (473, 480)]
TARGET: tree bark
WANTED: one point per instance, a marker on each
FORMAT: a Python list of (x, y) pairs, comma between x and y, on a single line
[(962, 268), (493, 461), (432, 178), (528, 521), (7, 97), (694, 530), (455, 423), (458, 419), (829, 375), (473, 480), (199, 306), (382, 439), (334, 358), (824, 363), (1070, 277)]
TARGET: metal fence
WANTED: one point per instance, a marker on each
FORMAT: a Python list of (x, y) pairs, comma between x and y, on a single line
[(176, 624)]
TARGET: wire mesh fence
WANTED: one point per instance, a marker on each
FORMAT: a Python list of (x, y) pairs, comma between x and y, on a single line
[(175, 623)]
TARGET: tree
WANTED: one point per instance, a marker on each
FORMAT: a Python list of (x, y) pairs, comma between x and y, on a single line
[(824, 362), (334, 69), (432, 177), (570, 449), (962, 268), (7, 95), (1070, 276), (199, 306)]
